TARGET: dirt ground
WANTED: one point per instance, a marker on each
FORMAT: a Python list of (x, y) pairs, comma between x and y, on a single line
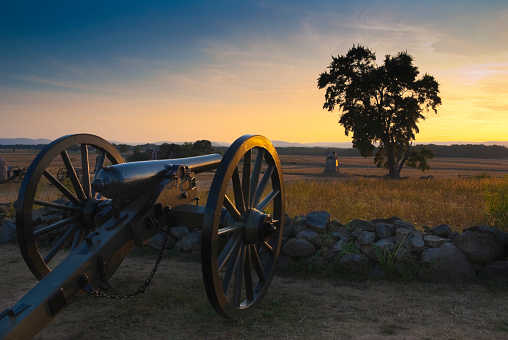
[(296, 307), (175, 307)]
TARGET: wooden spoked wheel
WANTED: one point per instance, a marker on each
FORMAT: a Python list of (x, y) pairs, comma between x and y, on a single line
[(70, 202), (243, 227)]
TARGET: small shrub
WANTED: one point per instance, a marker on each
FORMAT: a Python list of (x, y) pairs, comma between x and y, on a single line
[(496, 201)]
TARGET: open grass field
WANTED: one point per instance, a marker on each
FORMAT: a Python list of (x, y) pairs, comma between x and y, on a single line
[(301, 307)]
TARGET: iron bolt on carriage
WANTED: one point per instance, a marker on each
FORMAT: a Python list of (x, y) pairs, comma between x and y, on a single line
[(113, 206)]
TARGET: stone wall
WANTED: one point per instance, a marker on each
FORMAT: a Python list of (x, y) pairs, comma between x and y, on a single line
[(376, 248)]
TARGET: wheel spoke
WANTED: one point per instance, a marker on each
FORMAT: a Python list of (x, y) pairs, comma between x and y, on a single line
[(70, 196), (68, 234), (257, 264), (235, 256), (237, 188), (263, 184), (237, 292), (85, 168), (246, 177), (255, 176), (248, 275), (71, 172), (229, 230), (232, 209), (268, 247), (78, 237), (58, 206), (56, 225), (269, 198), (233, 242), (100, 163)]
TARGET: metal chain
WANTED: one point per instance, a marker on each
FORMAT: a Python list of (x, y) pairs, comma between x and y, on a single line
[(105, 284)]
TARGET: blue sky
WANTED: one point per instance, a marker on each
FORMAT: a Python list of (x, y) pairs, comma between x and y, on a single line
[(181, 71)]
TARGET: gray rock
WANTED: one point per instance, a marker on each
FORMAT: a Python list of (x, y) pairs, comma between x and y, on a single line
[(334, 225), (312, 236), (386, 244), (385, 220), (445, 264), (343, 233), (402, 235), (179, 232), (495, 271), (191, 241), (318, 220), (298, 248), (442, 230), (356, 263), (415, 241), (8, 231), (157, 241), (369, 251), (384, 229), (364, 237), (402, 224), (299, 224), (288, 226), (480, 247), (453, 235), (432, 241), (357, 224), (487, 229), (337, 247)]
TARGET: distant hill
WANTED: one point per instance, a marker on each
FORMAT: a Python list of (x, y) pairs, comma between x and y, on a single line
[(24, 141)]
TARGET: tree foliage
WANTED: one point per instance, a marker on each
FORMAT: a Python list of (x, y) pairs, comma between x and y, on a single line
[(380, 104)]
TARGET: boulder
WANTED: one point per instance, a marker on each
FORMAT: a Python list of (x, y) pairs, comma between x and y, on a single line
[(503, 235), (8, 231), (179, 232), (334, 225), (318, 220), (312, 236), (445, 264), (432, 241), (343, 233), (495, 271), (442, 230), (385, 220), (364, 237), (386, 244), (384, 229), (337, 247), (480, 247), (298, 248), (299, 224), (288, 226), (357, 224), (415, 241), (191, 241), (402, 235), (402, 224)]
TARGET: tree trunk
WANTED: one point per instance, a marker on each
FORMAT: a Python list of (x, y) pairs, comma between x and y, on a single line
[(390, 161)]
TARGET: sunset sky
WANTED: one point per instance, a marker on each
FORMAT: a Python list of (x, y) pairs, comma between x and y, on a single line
[(148, 71)]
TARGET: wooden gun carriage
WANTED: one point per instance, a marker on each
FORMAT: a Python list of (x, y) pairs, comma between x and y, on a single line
[(115, 206)]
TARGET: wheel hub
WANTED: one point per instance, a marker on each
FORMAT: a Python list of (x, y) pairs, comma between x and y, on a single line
[(257, 227)]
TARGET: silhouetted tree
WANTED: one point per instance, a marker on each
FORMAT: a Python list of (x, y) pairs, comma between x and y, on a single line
[(380, 104)]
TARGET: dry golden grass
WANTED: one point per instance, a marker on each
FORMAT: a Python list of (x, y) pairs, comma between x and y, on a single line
[(457, 202)]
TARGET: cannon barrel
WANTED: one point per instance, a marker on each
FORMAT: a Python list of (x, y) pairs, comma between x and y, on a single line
[(130, 179)]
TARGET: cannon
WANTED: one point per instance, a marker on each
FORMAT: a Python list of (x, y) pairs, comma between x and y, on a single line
[(115, 206)]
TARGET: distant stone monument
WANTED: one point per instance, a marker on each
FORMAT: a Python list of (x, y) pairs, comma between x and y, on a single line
[(3, 170), (332, 162)]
